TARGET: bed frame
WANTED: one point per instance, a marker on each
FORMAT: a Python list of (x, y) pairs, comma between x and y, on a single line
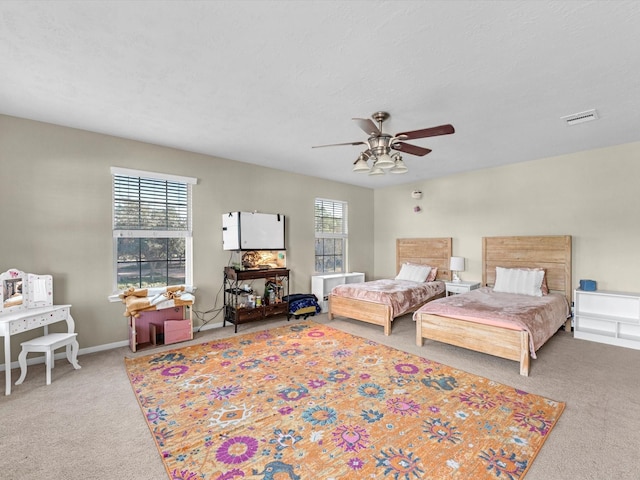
[(426, 251), (553, 253)]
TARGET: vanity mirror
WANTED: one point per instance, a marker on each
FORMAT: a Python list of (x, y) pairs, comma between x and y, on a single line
[(13, 294), (39, 290), (21, 291)]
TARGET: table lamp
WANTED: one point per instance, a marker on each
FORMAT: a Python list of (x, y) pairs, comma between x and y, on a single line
[(456, 265)]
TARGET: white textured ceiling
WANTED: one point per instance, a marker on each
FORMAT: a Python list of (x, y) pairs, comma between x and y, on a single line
[(263, 81)]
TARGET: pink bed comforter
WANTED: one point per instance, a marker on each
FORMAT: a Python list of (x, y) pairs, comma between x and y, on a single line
[(402, 295), (540, 316)]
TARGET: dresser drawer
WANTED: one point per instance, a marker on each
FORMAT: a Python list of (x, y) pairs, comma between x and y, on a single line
[(38, 320), (276, 309), (177, 331), (244, 314), (457, 288)]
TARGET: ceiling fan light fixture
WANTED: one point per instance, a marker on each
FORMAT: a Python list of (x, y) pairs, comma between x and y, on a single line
[(384, 161), (361, 165), (379, 148), (376, 170), (399, 166), (380, 145)]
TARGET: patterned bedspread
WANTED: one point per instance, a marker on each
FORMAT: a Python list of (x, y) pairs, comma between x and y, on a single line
[(402, 295), (540, 316)]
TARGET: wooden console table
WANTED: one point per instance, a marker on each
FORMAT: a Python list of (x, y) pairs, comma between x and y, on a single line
[(235, 312), (30, 319)]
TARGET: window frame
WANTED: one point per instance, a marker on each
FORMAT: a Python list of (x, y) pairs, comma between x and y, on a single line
[(343, 235), (187, 233)]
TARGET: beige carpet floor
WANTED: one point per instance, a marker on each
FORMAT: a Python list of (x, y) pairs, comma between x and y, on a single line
[(87, 424)]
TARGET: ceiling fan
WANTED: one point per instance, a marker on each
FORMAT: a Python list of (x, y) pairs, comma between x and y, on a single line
[(380, 145)]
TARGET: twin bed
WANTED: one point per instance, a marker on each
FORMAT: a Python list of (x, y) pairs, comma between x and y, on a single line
[(380, 301), (506, 325)]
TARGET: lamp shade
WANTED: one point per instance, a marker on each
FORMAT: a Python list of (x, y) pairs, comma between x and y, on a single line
[(456, 264), (399, 166), (375, 170), (384, 161), (361, 165)]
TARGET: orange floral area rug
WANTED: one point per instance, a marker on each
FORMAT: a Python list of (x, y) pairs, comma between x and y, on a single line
[(308, 402)]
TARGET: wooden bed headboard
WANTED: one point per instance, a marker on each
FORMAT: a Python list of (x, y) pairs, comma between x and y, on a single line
[(553, 253), (425, 251)]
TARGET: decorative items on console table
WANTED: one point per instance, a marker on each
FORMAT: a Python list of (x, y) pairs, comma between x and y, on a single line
[(26, 303)]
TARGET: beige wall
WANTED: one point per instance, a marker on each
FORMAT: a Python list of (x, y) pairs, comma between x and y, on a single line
[(592, 196), (55, 188)]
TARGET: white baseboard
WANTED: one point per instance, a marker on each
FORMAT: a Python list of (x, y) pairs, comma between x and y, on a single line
[(63, 355), (97, 348), (208, 326)]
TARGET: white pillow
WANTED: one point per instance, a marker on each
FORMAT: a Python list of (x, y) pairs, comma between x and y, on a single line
[(516, 280), (413, 272)]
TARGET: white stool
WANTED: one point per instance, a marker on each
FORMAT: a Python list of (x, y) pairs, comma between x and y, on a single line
[(47, 344)]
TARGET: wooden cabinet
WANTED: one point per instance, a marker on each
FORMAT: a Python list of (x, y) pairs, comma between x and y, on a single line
[(237, 306), (321, 285), (607, 317)]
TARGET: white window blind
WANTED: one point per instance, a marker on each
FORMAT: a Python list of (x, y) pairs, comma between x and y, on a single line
[(151, 229), (331, 235), (150, 204), (330, 217)]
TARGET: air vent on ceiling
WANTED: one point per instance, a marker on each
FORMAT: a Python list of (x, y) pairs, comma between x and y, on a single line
[(581, 117)]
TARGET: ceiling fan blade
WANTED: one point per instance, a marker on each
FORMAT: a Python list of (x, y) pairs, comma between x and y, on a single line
[(411, 149), (340, 144), (368, 126), (427, 132)]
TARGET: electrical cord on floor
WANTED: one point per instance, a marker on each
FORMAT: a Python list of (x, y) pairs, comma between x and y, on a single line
[(215, 310), (206, 321)]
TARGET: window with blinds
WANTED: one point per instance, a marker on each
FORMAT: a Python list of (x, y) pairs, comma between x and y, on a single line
[(330, 235), (150, 204), (151, 229)]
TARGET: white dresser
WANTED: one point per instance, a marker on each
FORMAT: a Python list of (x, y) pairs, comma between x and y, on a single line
[(607, 317), (321, 285)]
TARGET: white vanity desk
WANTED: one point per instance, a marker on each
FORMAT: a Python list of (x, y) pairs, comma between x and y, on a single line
[(26, 303), (30, 319)]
